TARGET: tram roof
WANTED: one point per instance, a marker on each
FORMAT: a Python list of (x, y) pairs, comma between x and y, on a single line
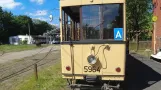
[(64, 3)]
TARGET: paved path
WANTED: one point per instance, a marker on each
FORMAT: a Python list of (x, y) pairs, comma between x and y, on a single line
[(142, 73), (18, 55)]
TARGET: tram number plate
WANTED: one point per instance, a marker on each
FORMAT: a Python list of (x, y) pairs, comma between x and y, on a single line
[(91, 69)]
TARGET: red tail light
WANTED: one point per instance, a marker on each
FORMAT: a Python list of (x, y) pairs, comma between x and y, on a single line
[(68, 68), (118, 69)]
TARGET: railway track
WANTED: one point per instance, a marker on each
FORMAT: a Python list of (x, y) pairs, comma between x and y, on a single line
[(25, 70), (26, 65), (3, 69)]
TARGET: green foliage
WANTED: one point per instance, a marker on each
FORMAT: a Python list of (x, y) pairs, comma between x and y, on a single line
[(21, 42), (139, 17), (21, 24), (6, 25), (41, 27), (25, 42), (12, 25)]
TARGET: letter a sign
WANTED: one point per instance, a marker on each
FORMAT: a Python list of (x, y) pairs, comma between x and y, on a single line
[(118, 33)]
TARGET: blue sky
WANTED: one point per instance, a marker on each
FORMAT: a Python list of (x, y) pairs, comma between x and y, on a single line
[(38, 9)]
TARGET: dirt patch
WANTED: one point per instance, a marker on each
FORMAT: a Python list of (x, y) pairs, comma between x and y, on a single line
[(13, 73), (6, 57)]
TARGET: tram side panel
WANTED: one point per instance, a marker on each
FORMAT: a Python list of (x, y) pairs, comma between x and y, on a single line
[(114, 62), (66, 52)]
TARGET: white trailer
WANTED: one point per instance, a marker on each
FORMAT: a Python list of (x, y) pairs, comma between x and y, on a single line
[(16, 40)]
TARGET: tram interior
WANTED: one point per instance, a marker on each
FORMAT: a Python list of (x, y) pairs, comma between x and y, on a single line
[(71, 23), (91, 22)]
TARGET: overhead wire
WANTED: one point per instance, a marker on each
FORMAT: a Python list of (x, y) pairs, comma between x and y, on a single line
[(15, 73), (24, 68), (32, 64), (5, 68), (20, 72)]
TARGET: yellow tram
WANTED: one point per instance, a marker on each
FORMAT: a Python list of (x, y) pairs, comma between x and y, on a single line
[(93, 43)]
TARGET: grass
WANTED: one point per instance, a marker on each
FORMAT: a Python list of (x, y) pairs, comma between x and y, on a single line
[(49, 79), (15, 48)]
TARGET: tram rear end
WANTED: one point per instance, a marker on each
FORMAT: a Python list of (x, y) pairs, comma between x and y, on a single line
[(93, 42)]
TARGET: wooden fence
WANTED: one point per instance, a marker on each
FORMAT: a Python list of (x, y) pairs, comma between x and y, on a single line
[(142, 45)]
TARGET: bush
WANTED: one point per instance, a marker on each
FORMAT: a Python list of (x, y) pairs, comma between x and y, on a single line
[(25, 42), (21, 42), (38, 44)]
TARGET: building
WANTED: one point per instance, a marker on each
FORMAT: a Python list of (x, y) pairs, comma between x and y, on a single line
[(156, 39), (20, 39), (16, 40)]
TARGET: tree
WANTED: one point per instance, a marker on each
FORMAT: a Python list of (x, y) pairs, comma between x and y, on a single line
[(23, 23), (6, 25), (1, 20), (138, 18), (41, 27), (11, 25)]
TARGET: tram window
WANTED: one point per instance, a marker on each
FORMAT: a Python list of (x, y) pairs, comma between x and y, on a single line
[(13, 39), (70, 23), (113, 18), (91, 21), (95, 21)]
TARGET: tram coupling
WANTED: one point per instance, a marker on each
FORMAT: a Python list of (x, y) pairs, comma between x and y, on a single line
[(110, 87)]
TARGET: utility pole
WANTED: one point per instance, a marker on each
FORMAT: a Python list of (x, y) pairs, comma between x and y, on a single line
[(29, 33), (155, 18), (155, 38)]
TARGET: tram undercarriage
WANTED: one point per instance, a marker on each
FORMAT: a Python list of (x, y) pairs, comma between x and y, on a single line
[(95, 85)]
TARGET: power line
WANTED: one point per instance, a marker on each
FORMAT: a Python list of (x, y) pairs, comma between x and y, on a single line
[(25, 69)]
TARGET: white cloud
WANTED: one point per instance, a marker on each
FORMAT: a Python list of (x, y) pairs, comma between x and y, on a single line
[(40, 2), (57, 25), (47, 20), (9, 4), (42, 18), (38, 13)]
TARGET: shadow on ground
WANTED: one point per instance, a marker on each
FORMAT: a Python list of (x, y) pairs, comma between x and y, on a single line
[(139, 76), (158, 60)]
